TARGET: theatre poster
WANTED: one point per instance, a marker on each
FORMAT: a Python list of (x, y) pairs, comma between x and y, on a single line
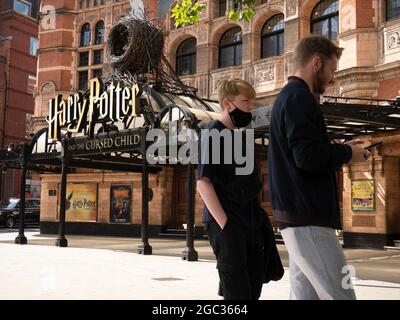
[(362, 195)]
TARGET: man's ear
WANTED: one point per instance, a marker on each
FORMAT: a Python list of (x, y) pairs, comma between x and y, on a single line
[(226, 105), (316, 63)]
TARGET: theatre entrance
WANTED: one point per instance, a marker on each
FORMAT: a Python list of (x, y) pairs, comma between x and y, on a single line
[(180, 195)]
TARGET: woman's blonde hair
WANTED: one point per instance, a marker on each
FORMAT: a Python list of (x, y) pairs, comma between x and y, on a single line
[(229, 88)]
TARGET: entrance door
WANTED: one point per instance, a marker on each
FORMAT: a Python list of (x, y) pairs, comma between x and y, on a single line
[(180, 198)]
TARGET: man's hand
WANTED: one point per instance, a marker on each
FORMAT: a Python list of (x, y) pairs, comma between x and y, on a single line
[(211, 200), (359, 154)]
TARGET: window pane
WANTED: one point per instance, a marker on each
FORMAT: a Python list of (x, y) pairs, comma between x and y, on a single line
[(238, 55), (270, 46), (83, 80), (99, 36), (281, 42), (22, 7), (186, 65), (321, 27), (98, 57), (85, 35), (222, 7), (324, 8), (188, 46), (84, 59), (324, 19), (33, 46), (392, 9), (226, 57), (334, 27), (276, 23), (233, 35)]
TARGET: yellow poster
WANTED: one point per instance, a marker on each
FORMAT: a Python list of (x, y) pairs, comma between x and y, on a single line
[(81, 202), (362, 195)]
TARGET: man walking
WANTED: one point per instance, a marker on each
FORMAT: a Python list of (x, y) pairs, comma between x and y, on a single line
[(235, 223), (302, 166)]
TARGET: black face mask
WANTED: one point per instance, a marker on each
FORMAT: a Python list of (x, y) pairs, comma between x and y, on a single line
[(240, 118)]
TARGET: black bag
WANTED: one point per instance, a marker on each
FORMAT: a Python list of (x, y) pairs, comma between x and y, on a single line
[(273, 268)]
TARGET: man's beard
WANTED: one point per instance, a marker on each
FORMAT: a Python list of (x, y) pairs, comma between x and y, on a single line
[(319, 82)]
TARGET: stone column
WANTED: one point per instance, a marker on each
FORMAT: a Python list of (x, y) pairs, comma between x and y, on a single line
[(358, 34)]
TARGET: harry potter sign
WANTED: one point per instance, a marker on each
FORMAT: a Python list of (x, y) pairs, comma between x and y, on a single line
[(76, 113)]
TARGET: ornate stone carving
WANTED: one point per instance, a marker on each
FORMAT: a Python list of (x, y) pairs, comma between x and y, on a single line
[(216, 80), (393, 40), (348, 15), (291, 8), (189, 82), (266, 74), (48, 88)]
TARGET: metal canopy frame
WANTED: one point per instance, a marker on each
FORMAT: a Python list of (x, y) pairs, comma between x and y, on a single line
[(349, 117)]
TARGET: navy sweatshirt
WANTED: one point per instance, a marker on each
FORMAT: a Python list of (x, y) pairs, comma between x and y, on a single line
[(302, 161)]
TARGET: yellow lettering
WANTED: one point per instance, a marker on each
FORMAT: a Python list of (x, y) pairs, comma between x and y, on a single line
[(135, 100), (136, 139)]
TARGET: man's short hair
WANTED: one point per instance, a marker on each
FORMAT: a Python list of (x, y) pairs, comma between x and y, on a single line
[(229, 88), (315, 44)]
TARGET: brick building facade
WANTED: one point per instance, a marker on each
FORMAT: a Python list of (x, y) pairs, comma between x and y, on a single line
[(260, 52), (18, 44)]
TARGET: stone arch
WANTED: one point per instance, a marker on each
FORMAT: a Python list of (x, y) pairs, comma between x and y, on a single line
[(46, 91), (175, 43), (214, 42), (47, 87), (256, 26), (305, 11), (94, 27), (79, 32), (216, 34)]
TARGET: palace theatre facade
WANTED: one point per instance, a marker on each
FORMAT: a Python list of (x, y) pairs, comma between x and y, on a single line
[(260, 52)]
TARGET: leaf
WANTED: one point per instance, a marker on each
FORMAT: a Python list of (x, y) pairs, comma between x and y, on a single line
[(185, 12)]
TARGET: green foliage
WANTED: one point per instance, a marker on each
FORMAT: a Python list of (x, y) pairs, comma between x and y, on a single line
[(242, 10), (186, 12)]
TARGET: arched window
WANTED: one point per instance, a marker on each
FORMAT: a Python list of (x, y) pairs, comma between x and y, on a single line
[(186, 57), (325, 19), (85, 35), (392, 9), (272, 37), (99, 33), (230, 48)]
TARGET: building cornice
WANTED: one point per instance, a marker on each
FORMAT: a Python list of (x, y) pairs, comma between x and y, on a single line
[(14, 13), (58, 48)]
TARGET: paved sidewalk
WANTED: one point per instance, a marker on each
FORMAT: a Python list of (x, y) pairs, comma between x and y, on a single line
[(37, 271)]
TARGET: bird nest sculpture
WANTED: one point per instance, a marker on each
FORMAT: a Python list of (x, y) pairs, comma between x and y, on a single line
[(135, 47)]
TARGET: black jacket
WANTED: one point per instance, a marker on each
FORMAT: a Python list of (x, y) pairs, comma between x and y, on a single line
[(302, 162)]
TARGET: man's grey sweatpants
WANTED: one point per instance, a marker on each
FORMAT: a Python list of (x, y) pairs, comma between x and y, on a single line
[(317, 266)]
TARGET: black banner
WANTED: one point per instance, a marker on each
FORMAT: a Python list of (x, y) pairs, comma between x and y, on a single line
[(127, 140)]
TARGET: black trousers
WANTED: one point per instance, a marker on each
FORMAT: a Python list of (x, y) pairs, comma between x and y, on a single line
[(240, 259)]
